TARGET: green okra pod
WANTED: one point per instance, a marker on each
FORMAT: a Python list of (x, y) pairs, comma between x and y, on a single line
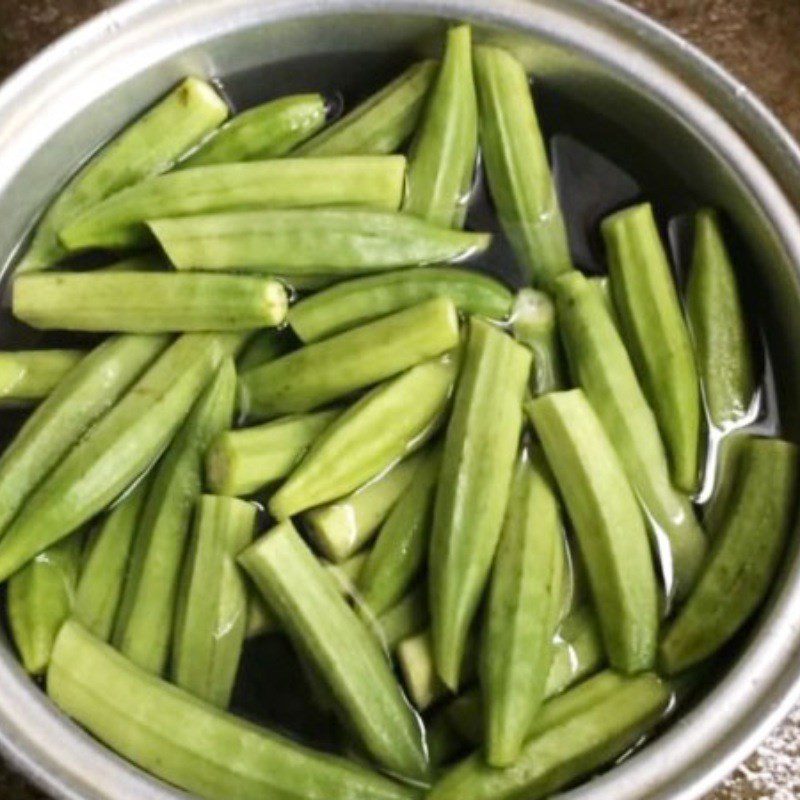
[(342, 527), (517, 168), (105, 564), (382, 122), (119, 221), (330, 636), (656, 334), (240, 462), (211, 609), (27, 376), (263, 346), (523, 610), (602, 285), (353, 360), (445, 147), (40, 598), (477, 465), (147, 147), (80, 398), (362, 300), (601, 366), (269, 130), (143, 302), (144, 624), (608, 523), (444, 743), (303, 242), (744, 558), (405, 618), (387, 424), (718, 326), (190, 744)]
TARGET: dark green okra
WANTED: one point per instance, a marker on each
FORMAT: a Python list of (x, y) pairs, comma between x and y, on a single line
[(718, 326), (117, 222), (744, 558), (146, 302), (353, 360), (533, 322), (190, 744), (270, 130), (388, 423), (329, 634), (147, 147), (477, 465), (516, 167), (263, 346), (656, 334), (609, 526), (445, 147), (144, 625), (382, 122), (27, 376)]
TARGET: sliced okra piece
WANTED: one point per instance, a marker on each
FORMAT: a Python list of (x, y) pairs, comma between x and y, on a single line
[(27, 376)]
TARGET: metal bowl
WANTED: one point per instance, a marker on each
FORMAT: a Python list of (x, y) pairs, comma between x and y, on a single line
[(717, 136)]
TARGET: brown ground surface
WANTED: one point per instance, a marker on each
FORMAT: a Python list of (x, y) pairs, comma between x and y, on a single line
[(755, 39)]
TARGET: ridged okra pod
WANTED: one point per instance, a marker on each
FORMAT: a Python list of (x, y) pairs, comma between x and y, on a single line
[(362, 300), (118, 222), (331, 637), (311, 242), (384, 426), (609, 526), (105, 564), (242, 461), (405, 618), (523, 610), (533, 322), (353, 360), (211, 610), (600, 364), (40, 598), (341, 528), (147, 147), (477, 466), (517, 168), (190, 744), (146, 302), (80, 398), (445, 147), (382, 122), (656, 334), (144, 624), (269, 130), (718, 326), (27, 376), (745, 556)]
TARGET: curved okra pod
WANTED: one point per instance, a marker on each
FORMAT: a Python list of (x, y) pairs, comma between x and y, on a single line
[(80, 398), (144, 623), (388, 423), (361, 300), (331, 637), (746, 553), (263, 346), (601, 366), (319, 241), (656, 334), (445, 148), (719, 330), (270, 130), (353, 360), (190, 744), (147, 147), (516, 167), (211, 609), (477, 466), (27, 376), (117, 222), (608, 523), (382, 122), (342, 527), (242, 461), (39, 600)]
